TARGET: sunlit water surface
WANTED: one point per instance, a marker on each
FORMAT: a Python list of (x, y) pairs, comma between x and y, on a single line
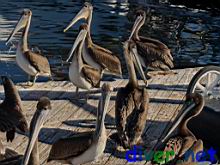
[(192, 34)]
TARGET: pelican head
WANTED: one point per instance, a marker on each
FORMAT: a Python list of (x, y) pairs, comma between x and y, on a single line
[(192, 107), (83, 29), (25, 19), (130, 50), (139, 21), (84, 13), (37, 122)]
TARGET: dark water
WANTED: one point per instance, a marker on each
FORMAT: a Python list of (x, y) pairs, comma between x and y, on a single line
[(192, 34)]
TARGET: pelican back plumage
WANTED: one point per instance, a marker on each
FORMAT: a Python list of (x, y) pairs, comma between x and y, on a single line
[(153, 54), (105, 58), (130, 114)]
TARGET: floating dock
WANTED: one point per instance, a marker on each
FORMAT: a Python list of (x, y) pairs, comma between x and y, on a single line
[(70, 116)]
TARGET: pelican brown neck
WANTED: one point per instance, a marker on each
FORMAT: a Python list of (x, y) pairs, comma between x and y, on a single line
[(88, 39), (192, 107), (199, 104)]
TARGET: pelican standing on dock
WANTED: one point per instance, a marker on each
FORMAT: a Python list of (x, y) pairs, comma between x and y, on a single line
[(80, 74), (11, 115), (152, 53), (131, 104), (88, 146), (32, 63), (31, 155), (185, 139), (94, 55)]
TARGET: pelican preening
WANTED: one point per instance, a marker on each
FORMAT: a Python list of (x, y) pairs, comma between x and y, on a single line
[(131, 104), (94, 55), (11, 115), (152, 53), (80, 74), (31, 155), (88, 146), (32, 63), (185, 139)]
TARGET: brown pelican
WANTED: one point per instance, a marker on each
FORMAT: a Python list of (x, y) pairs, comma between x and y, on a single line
[(81, 74), (185, 139), (11, 116), (94, 55), (87, 146), (131, 104), (32, 63), (31, 155), (152, 53)]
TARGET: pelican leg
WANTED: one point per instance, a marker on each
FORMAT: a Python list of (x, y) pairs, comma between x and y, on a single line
[(77, 91), (76, 96), (34, 80)]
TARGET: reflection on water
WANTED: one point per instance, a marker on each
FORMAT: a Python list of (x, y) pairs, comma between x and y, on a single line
[(192, 34)]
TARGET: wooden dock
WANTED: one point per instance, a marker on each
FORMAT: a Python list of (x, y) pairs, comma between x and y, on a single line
[(71, 116)]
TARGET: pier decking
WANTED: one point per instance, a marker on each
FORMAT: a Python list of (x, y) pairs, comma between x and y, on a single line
[(166, 98)]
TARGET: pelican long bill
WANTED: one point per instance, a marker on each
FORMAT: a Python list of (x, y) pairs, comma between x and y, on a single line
[(21, 24), (136, 23), (185, 109), (81, 37), (83, 14), (137, 64), (41, 118)]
